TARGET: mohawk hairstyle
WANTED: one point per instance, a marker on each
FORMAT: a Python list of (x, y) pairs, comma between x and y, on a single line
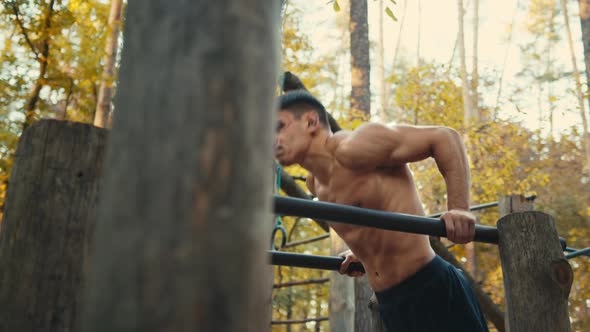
[(294, 99)]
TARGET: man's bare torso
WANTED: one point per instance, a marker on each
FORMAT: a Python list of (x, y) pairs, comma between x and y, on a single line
[(389, 257)]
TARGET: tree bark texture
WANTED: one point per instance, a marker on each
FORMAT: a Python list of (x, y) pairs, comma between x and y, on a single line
[(342, 292), (48, 222), (105, 92), (578, 83), (585, 25), (183, 220), (360, 97), (537, 278)]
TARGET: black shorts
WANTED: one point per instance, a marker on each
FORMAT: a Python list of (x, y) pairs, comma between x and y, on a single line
[(436, 298)]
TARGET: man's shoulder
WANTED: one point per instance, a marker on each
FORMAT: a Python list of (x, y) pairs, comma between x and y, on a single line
[(334, 141)]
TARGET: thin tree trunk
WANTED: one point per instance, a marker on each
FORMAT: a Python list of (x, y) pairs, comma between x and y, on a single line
[(474, 70), (500, 79), (467, 114), (548, 67), (360, 98), (43, 59), (380, 58), (399, 36), (580, 95), (585, 25), (105, 92), (360, 102), (470, 249), (419, 31)]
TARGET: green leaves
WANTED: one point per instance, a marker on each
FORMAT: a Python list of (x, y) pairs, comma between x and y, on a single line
[(336, 6), (390, 13)]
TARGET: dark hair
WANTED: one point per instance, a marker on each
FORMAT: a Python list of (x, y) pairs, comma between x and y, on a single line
[(293, 100)]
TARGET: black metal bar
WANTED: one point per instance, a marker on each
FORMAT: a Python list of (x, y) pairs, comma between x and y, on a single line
[(299, 321), (311, 261), (373, 218), (575, 253), (305, 241), (347, 214), (483, 206), (301, 283)]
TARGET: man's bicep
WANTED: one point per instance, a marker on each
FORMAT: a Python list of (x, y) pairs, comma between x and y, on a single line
[(412, 143)]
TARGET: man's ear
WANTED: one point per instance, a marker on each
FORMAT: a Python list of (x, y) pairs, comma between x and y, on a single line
[(312, 121)]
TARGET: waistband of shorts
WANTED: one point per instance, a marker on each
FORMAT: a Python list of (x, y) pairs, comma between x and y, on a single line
[(436, 266)]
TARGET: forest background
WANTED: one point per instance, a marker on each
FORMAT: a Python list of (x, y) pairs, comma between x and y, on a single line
[(522, 110)]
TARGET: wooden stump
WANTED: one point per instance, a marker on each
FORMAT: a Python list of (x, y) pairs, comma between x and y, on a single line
[(342, 297), (49, 217), (183, 228), (537, 278)]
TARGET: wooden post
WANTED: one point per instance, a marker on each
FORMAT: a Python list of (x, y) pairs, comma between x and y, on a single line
[(49, 217), (514, 203), (183, 228), (537, 278), (342, 299)]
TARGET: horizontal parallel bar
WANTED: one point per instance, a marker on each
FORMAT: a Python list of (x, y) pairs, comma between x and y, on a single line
[(299, 321), (400, 222), (576, 253), (301, 283), (305, 241), (311, 261), (373, 218), (483, 206)]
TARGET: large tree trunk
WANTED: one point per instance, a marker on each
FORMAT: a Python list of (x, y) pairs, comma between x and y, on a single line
[(49, 219), (360, 97), (105, 92), (578, 82), (182, 229)]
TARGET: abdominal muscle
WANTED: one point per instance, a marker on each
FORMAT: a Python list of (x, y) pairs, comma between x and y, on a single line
[(388, 257)]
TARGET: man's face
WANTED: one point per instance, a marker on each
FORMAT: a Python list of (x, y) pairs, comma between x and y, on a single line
[(292, 138)]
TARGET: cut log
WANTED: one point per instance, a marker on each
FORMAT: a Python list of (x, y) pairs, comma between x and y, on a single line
[(48, 222)]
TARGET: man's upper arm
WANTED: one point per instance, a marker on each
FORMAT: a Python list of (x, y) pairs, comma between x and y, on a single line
[(374, 145)]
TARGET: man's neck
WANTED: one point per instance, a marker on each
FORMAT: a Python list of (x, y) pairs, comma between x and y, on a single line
[(319, 160)]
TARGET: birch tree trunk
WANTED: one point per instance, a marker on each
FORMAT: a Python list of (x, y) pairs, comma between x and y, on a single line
[(467, 114), (182, 229), (380, 59), (105, 92)]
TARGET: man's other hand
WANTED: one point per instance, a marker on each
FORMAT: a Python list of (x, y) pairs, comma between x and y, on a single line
[(460, 225), (349, 257)]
